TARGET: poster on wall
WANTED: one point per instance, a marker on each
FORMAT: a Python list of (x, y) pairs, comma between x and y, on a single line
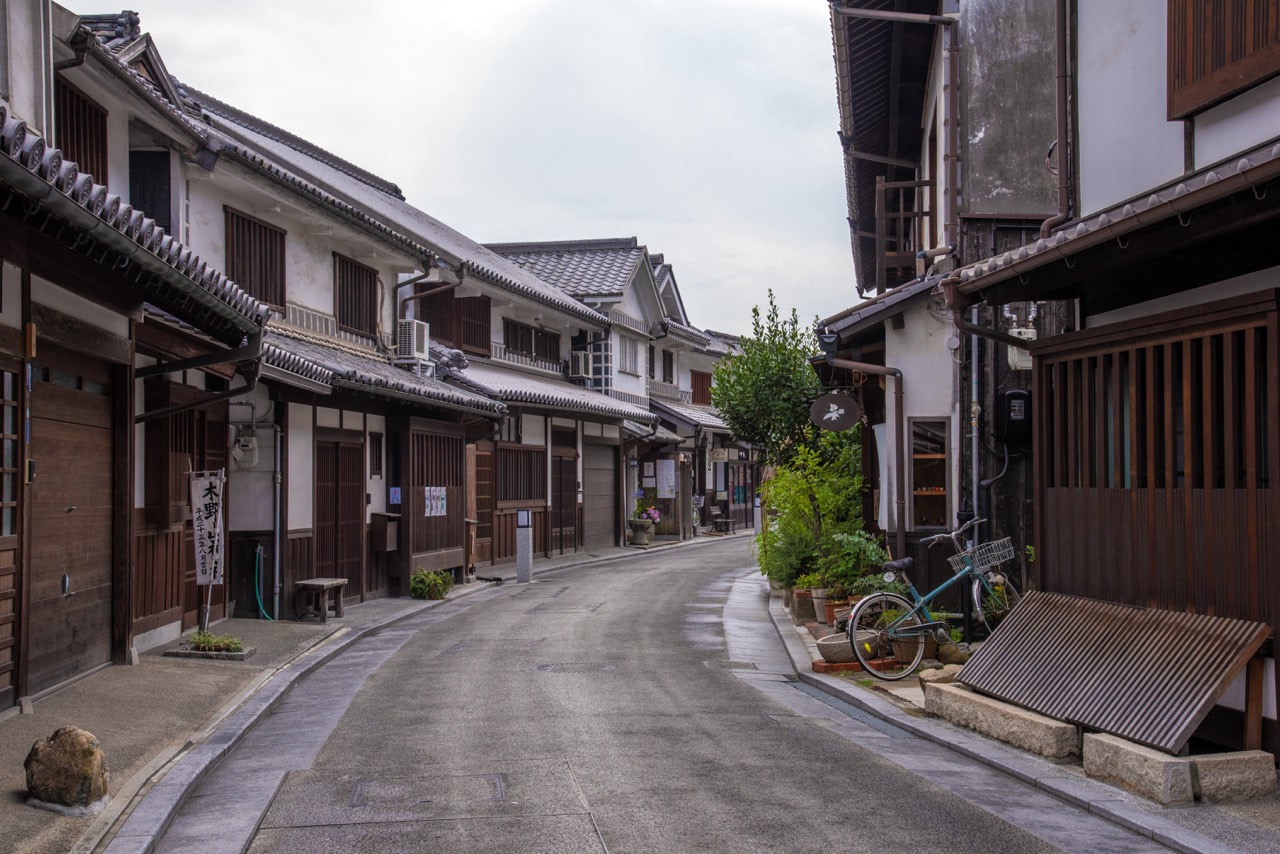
[(434, 502), (649, 482), (648, 469), (666, 478)]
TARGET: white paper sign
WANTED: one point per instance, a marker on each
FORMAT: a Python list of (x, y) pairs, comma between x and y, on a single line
[(206, 524), (666, 478), (434, 501)]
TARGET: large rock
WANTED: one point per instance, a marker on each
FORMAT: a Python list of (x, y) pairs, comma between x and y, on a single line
[(68, 769)]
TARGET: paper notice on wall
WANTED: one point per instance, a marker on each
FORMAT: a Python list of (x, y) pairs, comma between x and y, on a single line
[(649, 482), (666, 478), (435, 501), (206, 524), (648, 469)]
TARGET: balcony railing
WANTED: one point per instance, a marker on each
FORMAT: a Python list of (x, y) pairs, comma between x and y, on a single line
[(669, 391), (556, 366), (901, 211), (628, 397)]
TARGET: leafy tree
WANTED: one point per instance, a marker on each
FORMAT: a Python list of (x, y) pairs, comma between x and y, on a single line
[(764, 393)]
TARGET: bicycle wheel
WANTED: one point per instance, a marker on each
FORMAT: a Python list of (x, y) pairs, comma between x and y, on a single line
[(885, 645), (994, 596)]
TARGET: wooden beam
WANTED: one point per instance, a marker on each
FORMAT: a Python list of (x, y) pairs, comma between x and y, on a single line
[(122, 485), (1253, 704)]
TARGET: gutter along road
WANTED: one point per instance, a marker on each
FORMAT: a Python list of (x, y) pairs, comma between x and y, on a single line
[(645, 704)]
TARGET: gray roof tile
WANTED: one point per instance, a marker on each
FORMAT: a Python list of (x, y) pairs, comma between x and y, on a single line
[(515, 386), (581, 268), (700, 416)]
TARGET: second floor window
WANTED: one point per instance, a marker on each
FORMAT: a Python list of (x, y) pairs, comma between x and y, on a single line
[(529, 341), (701, 382), (255, 257), (355, 295), (629, 356), (1213, 56), (461, 322), (668, 366), (649, 362), (82, 130)]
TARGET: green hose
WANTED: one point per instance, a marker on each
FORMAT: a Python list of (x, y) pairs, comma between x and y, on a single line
[(257, 581)]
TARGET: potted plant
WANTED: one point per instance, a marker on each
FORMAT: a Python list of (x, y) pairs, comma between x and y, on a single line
[(430, 585), (642, 520), (802, 596)]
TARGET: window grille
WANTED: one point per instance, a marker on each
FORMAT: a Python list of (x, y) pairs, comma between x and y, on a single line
[(255, 257), (355, 289)]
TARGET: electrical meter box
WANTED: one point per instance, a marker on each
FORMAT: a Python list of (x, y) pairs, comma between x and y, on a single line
[(1013, 416)]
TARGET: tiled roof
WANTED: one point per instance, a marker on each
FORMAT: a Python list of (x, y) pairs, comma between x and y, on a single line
[(873, 312), (687, 333), (297, 143), (116, 30), (581, 268), (453, 246), (663, 436), (698, 416), (1178, 198), (173, 277), (373, 373), (518, 387)]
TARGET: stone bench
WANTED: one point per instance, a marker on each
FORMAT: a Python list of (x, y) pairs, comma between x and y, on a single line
[(315, 594)]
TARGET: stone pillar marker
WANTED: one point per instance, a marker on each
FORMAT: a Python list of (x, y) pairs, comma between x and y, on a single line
[(524, 546), (67, 773)]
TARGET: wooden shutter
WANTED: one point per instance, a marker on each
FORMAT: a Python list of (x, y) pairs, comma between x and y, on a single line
[(82, 130), (355, 289), (701, 381), (255, 257), (1218, 48)]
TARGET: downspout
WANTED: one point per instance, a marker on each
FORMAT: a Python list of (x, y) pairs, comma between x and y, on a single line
[(79, 43), (899, 432), (975, 410), (1064, 181), (277, 538), (250, 370)]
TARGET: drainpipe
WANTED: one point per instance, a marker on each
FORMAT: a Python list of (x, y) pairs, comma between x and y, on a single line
[(975, 409), (79, 42), (899, 432), (276, 533), (1064, 181)]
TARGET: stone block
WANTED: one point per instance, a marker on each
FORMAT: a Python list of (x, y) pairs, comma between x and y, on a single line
[(68, 770), (945, 675), (1232, 776), (1025, 730), (1151, 773)]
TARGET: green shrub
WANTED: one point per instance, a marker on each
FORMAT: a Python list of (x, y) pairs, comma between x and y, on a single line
[(868, 584), (430, 585), (209, 642), (810, 580), (850, 555)]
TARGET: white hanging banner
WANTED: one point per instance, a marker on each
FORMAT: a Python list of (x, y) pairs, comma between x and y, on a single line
[(206, 523)]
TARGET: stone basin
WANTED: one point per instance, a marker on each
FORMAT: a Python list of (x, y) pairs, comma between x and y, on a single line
[(835, 648)]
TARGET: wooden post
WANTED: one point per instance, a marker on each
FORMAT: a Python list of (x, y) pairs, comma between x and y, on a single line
[(1253, 704)]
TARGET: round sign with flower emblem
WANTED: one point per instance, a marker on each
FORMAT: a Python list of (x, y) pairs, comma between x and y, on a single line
[(835, 411)]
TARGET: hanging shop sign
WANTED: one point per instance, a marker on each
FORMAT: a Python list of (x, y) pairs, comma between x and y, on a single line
[(835, 411)]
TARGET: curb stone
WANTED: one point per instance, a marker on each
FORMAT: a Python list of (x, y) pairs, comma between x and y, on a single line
[(1111, 804)]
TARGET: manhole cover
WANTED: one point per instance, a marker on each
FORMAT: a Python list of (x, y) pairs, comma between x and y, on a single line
[(574, 667)]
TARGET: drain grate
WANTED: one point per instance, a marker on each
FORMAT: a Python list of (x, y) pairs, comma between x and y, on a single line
[(723, 664), (575, 667), (564, 608)]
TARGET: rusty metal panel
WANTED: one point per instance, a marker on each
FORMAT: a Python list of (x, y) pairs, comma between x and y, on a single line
[(1143, 674)]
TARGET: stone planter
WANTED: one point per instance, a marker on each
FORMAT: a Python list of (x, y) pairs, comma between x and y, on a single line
[(831, 608), (641, 531), (802, 606), (819, 595), (835, 648)]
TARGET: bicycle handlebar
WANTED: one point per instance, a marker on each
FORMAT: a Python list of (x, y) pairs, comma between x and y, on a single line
[(952, 535)]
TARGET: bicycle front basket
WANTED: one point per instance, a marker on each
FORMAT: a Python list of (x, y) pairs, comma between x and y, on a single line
[(987, 554)]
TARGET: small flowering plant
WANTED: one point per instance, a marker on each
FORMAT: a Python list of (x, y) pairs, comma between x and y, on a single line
[(645, 510)]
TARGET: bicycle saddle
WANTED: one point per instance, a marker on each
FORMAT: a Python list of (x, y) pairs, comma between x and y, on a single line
[(902, 564)]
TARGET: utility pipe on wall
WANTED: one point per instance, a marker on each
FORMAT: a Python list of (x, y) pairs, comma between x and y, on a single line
[(1064, 180)]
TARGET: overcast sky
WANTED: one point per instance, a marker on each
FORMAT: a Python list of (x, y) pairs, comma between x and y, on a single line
[(707, 128)]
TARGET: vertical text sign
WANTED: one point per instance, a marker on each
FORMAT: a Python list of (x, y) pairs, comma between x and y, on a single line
[(206, 521)]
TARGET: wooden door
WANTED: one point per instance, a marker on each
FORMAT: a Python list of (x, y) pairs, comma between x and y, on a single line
[(484, 505), (599, 496), (340, 514), (9, 522), (70, 581), (564, 503)]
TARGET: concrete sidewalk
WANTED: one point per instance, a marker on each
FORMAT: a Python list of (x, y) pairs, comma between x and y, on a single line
[(168, 712), (1252, 826)]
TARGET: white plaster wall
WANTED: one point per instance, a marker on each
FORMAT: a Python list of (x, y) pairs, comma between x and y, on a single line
[(26, 50), (326, 417), (611, 431), (1244, 122), (1249, 283), (930, 372), (48, 294), (301, 466), (1127, 145), (252, 488), (377, 485), (533, 430)]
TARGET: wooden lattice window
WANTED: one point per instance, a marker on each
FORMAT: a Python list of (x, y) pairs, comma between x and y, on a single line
[(472, 316), (525, 339), (701, 381), (82, 130), (1218, 48), (355, 289), (375, 455), (668, 366), (522, 473), (255, 257)]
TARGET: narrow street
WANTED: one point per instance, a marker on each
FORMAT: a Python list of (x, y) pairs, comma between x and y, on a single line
[(639, 705)]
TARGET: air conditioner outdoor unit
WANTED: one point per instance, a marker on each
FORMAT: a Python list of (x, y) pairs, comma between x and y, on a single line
[(422, 367), (413, 339), (580, 365)]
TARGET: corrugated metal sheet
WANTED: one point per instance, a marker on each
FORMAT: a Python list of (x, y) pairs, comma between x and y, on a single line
[(1146, 675)]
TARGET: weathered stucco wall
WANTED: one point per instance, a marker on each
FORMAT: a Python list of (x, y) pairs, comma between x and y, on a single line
[(1007, 107)]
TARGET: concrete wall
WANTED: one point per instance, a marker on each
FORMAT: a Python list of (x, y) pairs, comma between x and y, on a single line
[(1007, 107), (1244, 122), (1126, 143)]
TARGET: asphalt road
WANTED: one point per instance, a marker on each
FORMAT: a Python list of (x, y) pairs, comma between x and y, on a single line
[(602, 709)]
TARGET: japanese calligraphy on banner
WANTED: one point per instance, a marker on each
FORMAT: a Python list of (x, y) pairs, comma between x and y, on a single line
[(435, 500), (206, 522), (666, 478)]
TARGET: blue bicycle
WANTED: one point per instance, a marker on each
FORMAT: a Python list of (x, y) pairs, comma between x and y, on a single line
[(888, 633)]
